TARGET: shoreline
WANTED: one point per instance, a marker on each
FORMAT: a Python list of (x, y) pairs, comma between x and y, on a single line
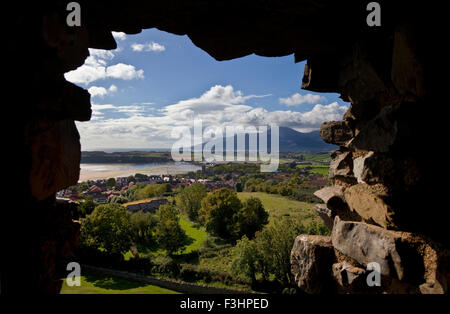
[(105, 171)]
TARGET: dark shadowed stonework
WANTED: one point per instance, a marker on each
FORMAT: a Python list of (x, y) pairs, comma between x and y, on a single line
[(386, 155)]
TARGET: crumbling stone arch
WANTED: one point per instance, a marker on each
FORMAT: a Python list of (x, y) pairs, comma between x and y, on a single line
[(379, 174)]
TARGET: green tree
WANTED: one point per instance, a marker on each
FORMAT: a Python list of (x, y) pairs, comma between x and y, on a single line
[(83, 186), (140, 176), (169, 234), (86, 207), (238, 187), (189, 200), (149, 191), (143, 225), (119, 199), (130, 193), (245, 259), (252, 217), (268, 255), (274, 243), (107, 228), (219, 213), (168, 188), (111, 182)]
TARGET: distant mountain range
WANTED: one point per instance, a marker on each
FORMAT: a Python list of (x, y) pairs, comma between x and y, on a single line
[(291, 141)]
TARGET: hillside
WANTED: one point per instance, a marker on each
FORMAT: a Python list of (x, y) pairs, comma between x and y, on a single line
[(291, 141), (132, 157)]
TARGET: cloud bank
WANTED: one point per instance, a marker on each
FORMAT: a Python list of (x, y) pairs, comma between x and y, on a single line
[(138, 126), (298, 99)]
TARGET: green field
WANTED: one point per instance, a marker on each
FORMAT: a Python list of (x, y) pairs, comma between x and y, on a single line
[(322, 171), (316, 168), (105, 284), (313, 166), (318, 157), (197, 236), (277, 206)]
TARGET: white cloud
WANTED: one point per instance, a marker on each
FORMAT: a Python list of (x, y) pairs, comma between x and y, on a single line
[(219, 106), (124, 72), (119, 35), (102, 107), (151, 46), (310, 120), (97, 110), (96, 91), (218, 100), (86, 74), (96, 68), (298, 99), (101, 54), (112, 89)]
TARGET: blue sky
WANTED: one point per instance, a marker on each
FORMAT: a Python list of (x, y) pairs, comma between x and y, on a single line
[(156, 82)]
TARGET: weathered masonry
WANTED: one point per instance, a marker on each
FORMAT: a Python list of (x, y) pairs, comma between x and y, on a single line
[(380, 206)]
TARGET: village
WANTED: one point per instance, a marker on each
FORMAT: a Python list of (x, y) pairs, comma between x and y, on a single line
[(212, 176), (100, 191)]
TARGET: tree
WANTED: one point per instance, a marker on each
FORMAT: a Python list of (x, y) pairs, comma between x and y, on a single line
[(238, 187), (245, 259), (107, 228), (117, 199), (111, 182), (140, 176), (169, 234), (252, 217), (149, 191), (143, 225), (219, 212), (274, 243), (189, 200), (168, 188), (268, 255), (83, 186), (86, 207), (130, 193)]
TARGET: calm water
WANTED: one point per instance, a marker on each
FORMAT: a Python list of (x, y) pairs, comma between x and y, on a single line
[(104, 171)]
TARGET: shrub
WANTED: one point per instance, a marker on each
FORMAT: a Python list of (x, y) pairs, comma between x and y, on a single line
[(188, 272), (167, 266)]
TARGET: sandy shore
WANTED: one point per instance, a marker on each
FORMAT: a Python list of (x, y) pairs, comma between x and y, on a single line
[(105, 171)]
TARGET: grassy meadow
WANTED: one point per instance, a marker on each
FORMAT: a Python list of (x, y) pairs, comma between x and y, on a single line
[(277, 206), (105, 284)]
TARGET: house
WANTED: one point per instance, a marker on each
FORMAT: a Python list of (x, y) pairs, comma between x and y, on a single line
[(147, 207)]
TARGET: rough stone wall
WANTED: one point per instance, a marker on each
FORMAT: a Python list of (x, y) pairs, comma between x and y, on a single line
[(379, 206), (380, 172), (46, 154)]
